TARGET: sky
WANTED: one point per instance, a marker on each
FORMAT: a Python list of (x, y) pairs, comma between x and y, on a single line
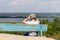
[(30, 6)]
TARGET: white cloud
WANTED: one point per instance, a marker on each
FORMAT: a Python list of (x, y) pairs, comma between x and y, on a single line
[(33, 1), (13, 3), (54, 2), (24, 2), (44, 3), (16, 2), (2, 2), (54, 9)]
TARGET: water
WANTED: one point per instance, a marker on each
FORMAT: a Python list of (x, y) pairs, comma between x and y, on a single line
[(21, 19), (11, 19), (49, 19)]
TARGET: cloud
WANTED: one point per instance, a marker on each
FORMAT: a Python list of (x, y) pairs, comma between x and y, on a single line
[(14, 2), (17, 2), (2, 2), (33, 1), (24, 2), (44, 3), (54, 2)]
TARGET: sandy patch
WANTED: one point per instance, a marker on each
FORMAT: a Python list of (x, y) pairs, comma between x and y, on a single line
[(18, 37)]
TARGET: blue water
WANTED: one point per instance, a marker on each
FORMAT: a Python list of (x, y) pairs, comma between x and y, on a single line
[(21, 19), (22, 27)]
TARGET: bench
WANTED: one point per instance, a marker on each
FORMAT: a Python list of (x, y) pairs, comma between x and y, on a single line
[(22, 27)]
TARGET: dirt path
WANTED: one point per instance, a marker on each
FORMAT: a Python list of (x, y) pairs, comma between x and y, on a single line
[(18, 37)]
